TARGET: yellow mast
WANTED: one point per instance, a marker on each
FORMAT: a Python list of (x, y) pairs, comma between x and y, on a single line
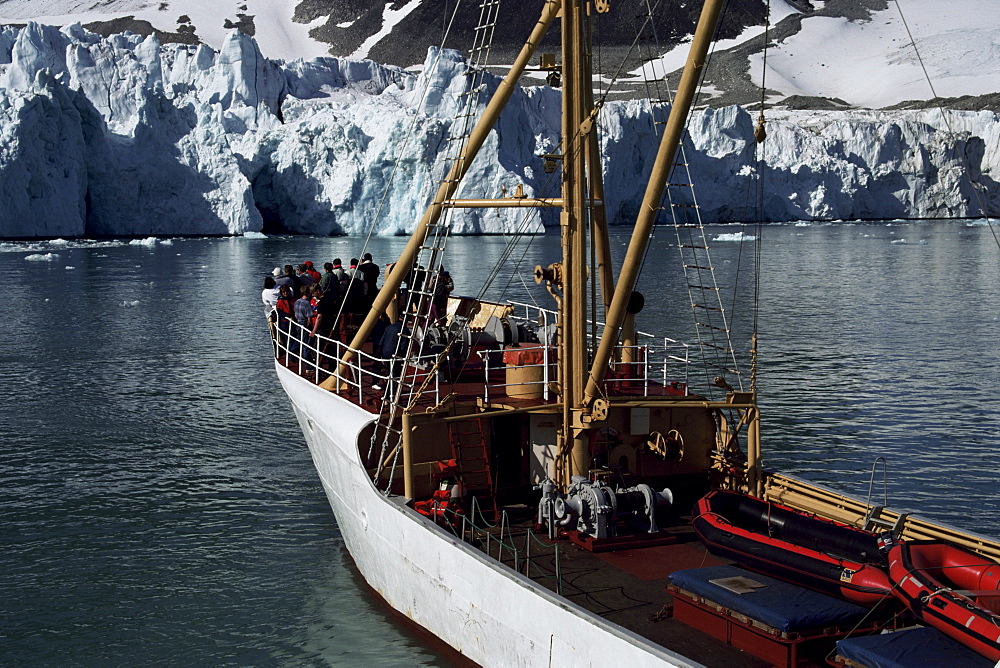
[(654, 194), (573, 227)]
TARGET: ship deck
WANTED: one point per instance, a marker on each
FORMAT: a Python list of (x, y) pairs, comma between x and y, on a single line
[(627, 586)]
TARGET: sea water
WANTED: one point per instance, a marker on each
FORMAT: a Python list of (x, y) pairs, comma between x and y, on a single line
[(159, 504)]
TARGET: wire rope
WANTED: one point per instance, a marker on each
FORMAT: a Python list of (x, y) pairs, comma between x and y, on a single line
[(401, 150), (947, 121)]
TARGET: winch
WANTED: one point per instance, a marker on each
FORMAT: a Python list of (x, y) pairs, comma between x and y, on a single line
[(594, 508)]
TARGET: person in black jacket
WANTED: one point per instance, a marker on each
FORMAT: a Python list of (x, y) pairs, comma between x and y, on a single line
[(369, 274)]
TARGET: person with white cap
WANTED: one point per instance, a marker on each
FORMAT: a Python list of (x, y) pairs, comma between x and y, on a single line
[(269, 295)]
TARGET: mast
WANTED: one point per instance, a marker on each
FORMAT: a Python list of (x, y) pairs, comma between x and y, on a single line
[(654, 194), (573, 227)]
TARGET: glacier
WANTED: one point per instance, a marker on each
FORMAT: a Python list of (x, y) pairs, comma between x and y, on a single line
[(123, 136)]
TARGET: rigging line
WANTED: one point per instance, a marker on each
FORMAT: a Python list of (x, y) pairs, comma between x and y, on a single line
[(505, 257), (434, 240), (513, 239), (947, 122), (511, 245), (753, 199), (652, 107), (503, 260), (726, 324), (546, 188), (435, 236), (659, 51), (708, 57), (520, 232), (454, 336), (413, 123), (600, 55), (599, 103), (652, 76), (396, 165), (621, 65), (761, 165)]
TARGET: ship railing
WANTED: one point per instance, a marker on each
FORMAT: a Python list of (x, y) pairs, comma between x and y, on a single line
[(662, 360), (528, 371), (543, 316), (530, 377), (317, 358), (534, 557), (650, 367)]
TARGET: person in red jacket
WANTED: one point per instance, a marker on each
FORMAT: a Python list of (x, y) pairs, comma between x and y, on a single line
[(312, 271), (285, 309)]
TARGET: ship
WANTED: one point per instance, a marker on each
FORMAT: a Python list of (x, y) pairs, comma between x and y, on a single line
[(518, 480)]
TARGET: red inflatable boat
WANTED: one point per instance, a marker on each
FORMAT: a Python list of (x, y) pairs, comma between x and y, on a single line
[(952, 589), (803, 549)]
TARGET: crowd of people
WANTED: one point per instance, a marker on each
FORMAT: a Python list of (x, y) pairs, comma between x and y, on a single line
[(333, 304)]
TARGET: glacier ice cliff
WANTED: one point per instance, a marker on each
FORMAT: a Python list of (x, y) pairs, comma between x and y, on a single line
[(122, 136)]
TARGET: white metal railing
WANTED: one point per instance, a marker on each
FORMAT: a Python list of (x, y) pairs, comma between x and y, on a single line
[(533, 379), (655, 362), (317, 358), (659, 363)]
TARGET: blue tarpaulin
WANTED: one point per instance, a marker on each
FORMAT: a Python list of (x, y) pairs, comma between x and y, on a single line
[(778, 604), (912, 648)]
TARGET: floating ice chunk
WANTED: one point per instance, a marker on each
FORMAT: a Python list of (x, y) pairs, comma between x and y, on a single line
[(167, 242), (735, 236), (254, 235), (42, 257), (148, 241), (134, 302), (69, 266), (59, 242), (17, 247)]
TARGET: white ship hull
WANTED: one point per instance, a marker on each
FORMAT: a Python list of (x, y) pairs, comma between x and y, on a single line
[(485, 610)]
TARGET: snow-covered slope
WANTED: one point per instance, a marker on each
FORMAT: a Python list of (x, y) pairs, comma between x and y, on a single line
[(274, 26), (859, 52), (123, 136), (873, 62)]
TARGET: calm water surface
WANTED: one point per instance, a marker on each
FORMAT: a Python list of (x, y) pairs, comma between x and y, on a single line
[(159, 503)]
